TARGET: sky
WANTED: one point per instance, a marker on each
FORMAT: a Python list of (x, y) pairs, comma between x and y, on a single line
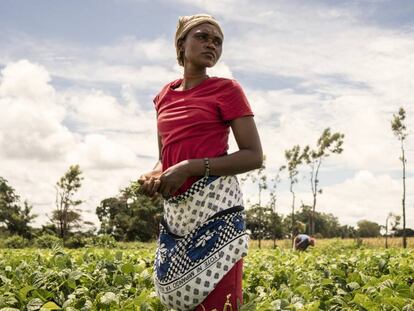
[(77, 79)]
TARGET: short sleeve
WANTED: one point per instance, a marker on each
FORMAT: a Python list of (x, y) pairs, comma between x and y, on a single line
[(158, 98), (155, 100), (232, 102)]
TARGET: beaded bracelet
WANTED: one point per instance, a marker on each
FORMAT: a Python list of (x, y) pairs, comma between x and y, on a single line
[(207, 167)]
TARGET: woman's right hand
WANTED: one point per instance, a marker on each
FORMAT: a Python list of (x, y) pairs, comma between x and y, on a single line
[(150, 183)]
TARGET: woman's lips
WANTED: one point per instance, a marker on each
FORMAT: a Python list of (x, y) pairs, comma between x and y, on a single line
[(209, 54)]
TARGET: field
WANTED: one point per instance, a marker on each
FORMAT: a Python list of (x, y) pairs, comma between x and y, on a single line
[(336, 275)]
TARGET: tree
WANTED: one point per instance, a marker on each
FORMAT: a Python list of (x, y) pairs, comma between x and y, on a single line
[(328, 143), (274, 226), (294, 158), (261, 221), (13, 215), (275, 219), (305, 217), (66, 216), (347, 231), (258, 176), (299, 226), (130, 216), (400, 131), (408, 232), (368, 229), (254, 221), (326, 225)]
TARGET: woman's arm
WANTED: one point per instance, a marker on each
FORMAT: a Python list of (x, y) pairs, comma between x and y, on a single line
[(247, 158)]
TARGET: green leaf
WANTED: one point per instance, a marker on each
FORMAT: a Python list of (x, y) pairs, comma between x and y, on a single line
[(25, 290), (71, 283), (365, 302), (127, 268), (34, 304), (353, 286), (120, 280), (108, 298), (43, 294), (50, 306), (313, 306), (327, 282), (118, 256)]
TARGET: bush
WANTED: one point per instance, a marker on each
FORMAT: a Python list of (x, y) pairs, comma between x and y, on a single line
[(47, 241), (103, 240), (318, 236), (76, 241), (16, 241)]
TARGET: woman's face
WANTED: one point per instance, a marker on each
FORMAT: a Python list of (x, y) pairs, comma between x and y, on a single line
[(202, 46)]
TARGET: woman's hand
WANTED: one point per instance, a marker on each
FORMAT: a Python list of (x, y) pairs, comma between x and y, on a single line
[(150, 183), (173, 178)]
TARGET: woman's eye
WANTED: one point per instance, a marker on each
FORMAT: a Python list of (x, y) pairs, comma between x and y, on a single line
[(202, 36)]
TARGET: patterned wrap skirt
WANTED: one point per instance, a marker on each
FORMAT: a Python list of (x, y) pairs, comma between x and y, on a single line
[(202, 236)]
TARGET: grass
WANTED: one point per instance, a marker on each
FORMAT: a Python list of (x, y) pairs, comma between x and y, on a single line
[(368, 242), (284, 244)]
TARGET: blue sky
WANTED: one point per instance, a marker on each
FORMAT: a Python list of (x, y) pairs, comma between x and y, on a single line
[(78, 78)]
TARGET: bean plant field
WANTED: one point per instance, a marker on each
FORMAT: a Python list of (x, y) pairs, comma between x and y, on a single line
[(333, 276)]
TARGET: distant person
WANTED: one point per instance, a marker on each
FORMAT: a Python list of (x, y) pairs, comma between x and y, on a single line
[(302, 242)]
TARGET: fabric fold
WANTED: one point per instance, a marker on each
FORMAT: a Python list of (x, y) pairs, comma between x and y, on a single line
[(193, 257)]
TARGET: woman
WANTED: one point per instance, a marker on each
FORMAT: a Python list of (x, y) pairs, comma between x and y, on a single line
[(302, 242), (202, 236)]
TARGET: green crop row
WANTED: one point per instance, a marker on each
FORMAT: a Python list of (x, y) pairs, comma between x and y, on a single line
[(334, 277)]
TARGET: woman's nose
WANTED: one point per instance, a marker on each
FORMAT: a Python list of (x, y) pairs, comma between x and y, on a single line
[(210, 43)]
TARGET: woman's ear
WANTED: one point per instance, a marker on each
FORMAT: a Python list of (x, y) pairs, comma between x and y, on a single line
[(181, 48), (180, 45)]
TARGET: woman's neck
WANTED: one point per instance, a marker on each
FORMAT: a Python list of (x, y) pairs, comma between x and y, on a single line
[(192, 78)]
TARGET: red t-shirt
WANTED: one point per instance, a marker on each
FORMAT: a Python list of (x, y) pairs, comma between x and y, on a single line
[(194, 123)]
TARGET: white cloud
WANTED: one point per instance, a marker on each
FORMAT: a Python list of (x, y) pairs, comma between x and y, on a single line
[(131, 50), (98, 152), (37, 148), (143, 64), (286, 118), (367, 196), (26, 80), (31, 120)]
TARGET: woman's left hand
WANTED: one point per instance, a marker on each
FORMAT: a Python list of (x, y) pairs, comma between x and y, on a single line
[(173, 178)]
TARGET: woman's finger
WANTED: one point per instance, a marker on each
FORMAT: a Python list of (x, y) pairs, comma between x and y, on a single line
[(144, 188), (162, 185), (150, 186), (156, 186)]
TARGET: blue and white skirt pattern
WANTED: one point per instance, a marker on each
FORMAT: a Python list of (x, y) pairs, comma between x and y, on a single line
[(196, 250)]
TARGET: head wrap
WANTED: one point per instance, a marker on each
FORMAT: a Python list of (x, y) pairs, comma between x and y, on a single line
[(186, 23)]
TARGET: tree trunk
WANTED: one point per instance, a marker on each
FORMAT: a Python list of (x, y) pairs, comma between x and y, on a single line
[(311, 216), (404, 235), (315, 193), (260, 218), (293, 213), (312, 229), (386, 233)]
